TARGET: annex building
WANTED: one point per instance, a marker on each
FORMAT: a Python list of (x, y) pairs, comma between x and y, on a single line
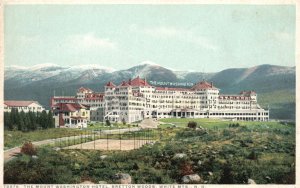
[(24, 106), (136, 99), (73, 115)]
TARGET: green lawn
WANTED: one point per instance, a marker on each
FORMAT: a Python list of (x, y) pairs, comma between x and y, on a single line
[(206, 123), (212, 123), (17, 138)]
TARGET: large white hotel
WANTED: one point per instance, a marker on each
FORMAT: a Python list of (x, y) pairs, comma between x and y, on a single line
[(135, 100)]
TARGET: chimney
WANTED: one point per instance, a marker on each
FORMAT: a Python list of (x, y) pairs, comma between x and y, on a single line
[(211, 84)]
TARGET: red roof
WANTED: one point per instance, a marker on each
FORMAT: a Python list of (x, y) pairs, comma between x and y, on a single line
[(171, 89), (138, 82), (110, 84), (69, 107), (55, 100), (82, 90), (19, 103), (124, 84), (203, 85), (135, 82)]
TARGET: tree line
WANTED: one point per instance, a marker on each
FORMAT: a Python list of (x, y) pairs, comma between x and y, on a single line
[(29, 121)]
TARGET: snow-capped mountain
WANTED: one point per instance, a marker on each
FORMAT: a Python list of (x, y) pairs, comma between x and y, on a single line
[(41, 81), (49, 71)]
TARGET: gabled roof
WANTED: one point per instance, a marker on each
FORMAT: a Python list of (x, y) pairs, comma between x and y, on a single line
[(124, 84), (69, 107), (203, 85), (138, 82), (13, 103), (110, 84), (82, 90)]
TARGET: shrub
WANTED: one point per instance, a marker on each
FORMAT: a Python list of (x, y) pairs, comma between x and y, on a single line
[(124, 121), (54, 168), (253, 155), (107, 122), (192, 124), (227, 174), (190, 134), (234, 125), (28, 149), (226, 133), (186, 168)]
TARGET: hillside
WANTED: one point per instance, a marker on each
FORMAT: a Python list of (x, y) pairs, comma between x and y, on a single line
[(275, 85)]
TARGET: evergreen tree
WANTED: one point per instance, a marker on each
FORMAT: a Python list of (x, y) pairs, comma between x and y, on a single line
[(15, 119), (26, 123), (7, 121), (50, 120), (38, 120), (43, 119), (21, 123), (32, 119)]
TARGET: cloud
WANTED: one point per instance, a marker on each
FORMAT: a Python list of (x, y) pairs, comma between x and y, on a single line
[(164, 32), (89, 41)]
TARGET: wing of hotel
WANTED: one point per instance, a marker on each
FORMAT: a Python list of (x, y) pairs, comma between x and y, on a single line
[(136, 99)]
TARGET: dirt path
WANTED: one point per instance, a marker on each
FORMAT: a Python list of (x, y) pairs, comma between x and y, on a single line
[(149, 124), (10, 153), (111, 144)]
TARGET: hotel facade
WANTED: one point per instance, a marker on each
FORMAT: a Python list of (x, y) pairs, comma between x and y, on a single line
[(135, 100)]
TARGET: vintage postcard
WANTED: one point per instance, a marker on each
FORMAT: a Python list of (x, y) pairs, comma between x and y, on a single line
[(159, 94)]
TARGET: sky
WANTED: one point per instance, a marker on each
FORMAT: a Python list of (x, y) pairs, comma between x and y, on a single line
[(206, 38)]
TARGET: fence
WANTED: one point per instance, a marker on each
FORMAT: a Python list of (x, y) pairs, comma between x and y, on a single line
[(117, 139)]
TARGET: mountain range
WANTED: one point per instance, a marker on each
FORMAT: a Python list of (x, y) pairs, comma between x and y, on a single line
[(275, 85)]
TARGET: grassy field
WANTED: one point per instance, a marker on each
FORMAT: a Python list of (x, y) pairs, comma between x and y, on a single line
[(212, 123), (17, 138), (218, 152)]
